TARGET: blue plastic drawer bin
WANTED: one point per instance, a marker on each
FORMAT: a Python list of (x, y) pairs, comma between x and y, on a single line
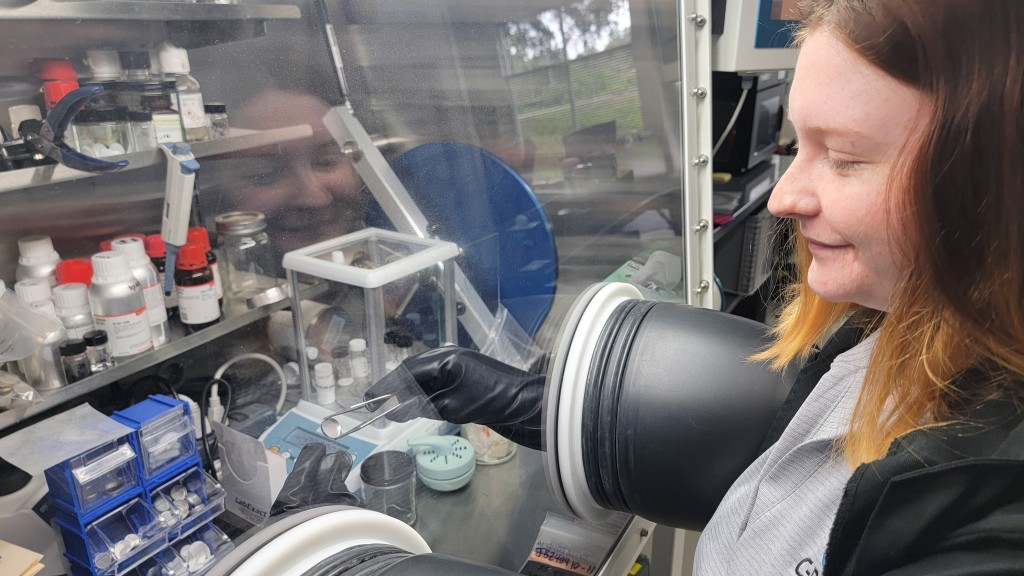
[(96, 480), (164, 435)]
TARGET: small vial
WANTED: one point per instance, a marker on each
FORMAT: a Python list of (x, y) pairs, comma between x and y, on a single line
[(360, 366), (404, 346), (217, 116), (74, 357), (323, 382), (96, 347), (342, 366)]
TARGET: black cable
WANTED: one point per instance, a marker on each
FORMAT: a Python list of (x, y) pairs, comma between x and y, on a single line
[(203, 399)]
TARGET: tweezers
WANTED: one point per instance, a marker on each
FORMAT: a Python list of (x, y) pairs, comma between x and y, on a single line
[(335, 427)]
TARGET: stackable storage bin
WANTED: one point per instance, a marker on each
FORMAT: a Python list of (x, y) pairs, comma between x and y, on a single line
[(164, 437), (86, 486)]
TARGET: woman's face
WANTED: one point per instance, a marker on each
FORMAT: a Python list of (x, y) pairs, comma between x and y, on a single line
[(854, 125), (307, 189)]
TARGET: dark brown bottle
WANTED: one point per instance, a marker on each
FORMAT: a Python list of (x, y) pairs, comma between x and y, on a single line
[(193, 282)]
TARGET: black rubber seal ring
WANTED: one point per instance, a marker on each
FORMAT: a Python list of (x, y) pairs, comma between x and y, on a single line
[(613, 389), (352, 561), (600, 427), (592, 398)]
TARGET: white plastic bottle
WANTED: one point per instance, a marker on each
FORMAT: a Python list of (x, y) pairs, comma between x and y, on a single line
[(118, 305), (174, 65), (37, 259), (72, 305), (142, 268), (323, 383), (360, 366)]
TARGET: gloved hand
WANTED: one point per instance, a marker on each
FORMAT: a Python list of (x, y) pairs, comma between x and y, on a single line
[(317, 478), (465, 386)]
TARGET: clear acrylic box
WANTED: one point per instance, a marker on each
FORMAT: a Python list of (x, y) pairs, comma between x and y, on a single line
[(379, 282)]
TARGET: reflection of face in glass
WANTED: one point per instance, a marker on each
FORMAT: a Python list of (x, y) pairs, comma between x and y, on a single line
[(308, 190)]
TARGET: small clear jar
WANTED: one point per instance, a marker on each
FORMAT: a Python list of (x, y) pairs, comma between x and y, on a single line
[(101, 132), (98, 350), (73, 356), (143, 131), (217, 116), (246, 259)]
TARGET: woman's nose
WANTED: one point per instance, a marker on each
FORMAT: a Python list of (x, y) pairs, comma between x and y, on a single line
[(794, 195), (311, 190)]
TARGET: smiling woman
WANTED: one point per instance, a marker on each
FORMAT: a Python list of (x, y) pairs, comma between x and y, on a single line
[(307, 189), (854, 124)]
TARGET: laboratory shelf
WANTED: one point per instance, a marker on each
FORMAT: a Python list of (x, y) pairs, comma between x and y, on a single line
[(741, 214), (141, 10), (238, 139), (179, 344)]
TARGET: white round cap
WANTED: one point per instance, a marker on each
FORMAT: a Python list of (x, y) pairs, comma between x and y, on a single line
[(36, 250), (110, 267), (323, 374), (174, 60), (133, 249), (312, 353), (357, 345), (33, 290), (346, 381), (72, 297), (338, 257), (44, 307)]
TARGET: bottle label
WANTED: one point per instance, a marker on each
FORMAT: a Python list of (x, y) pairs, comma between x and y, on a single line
[(193, 113), (217, 286), (198, 304), (128, 333), (154, 296), (360, 367), (168, 128)]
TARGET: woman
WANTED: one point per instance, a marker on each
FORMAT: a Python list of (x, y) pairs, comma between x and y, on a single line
[(906, 197), (901, 447)]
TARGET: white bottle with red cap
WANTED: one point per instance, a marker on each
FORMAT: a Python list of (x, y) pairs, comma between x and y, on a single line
[(142, 268), (37, 259), (118, 305)]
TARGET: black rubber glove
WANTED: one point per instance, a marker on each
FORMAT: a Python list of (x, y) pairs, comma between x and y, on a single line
[(317, 478), (465, 386)]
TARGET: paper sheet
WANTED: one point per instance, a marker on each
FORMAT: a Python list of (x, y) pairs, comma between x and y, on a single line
[(54, 440)]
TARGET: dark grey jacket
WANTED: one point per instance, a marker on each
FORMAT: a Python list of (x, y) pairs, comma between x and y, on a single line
[(945, 501)]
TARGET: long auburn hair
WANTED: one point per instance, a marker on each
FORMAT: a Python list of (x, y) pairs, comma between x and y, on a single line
[(960, 199)]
